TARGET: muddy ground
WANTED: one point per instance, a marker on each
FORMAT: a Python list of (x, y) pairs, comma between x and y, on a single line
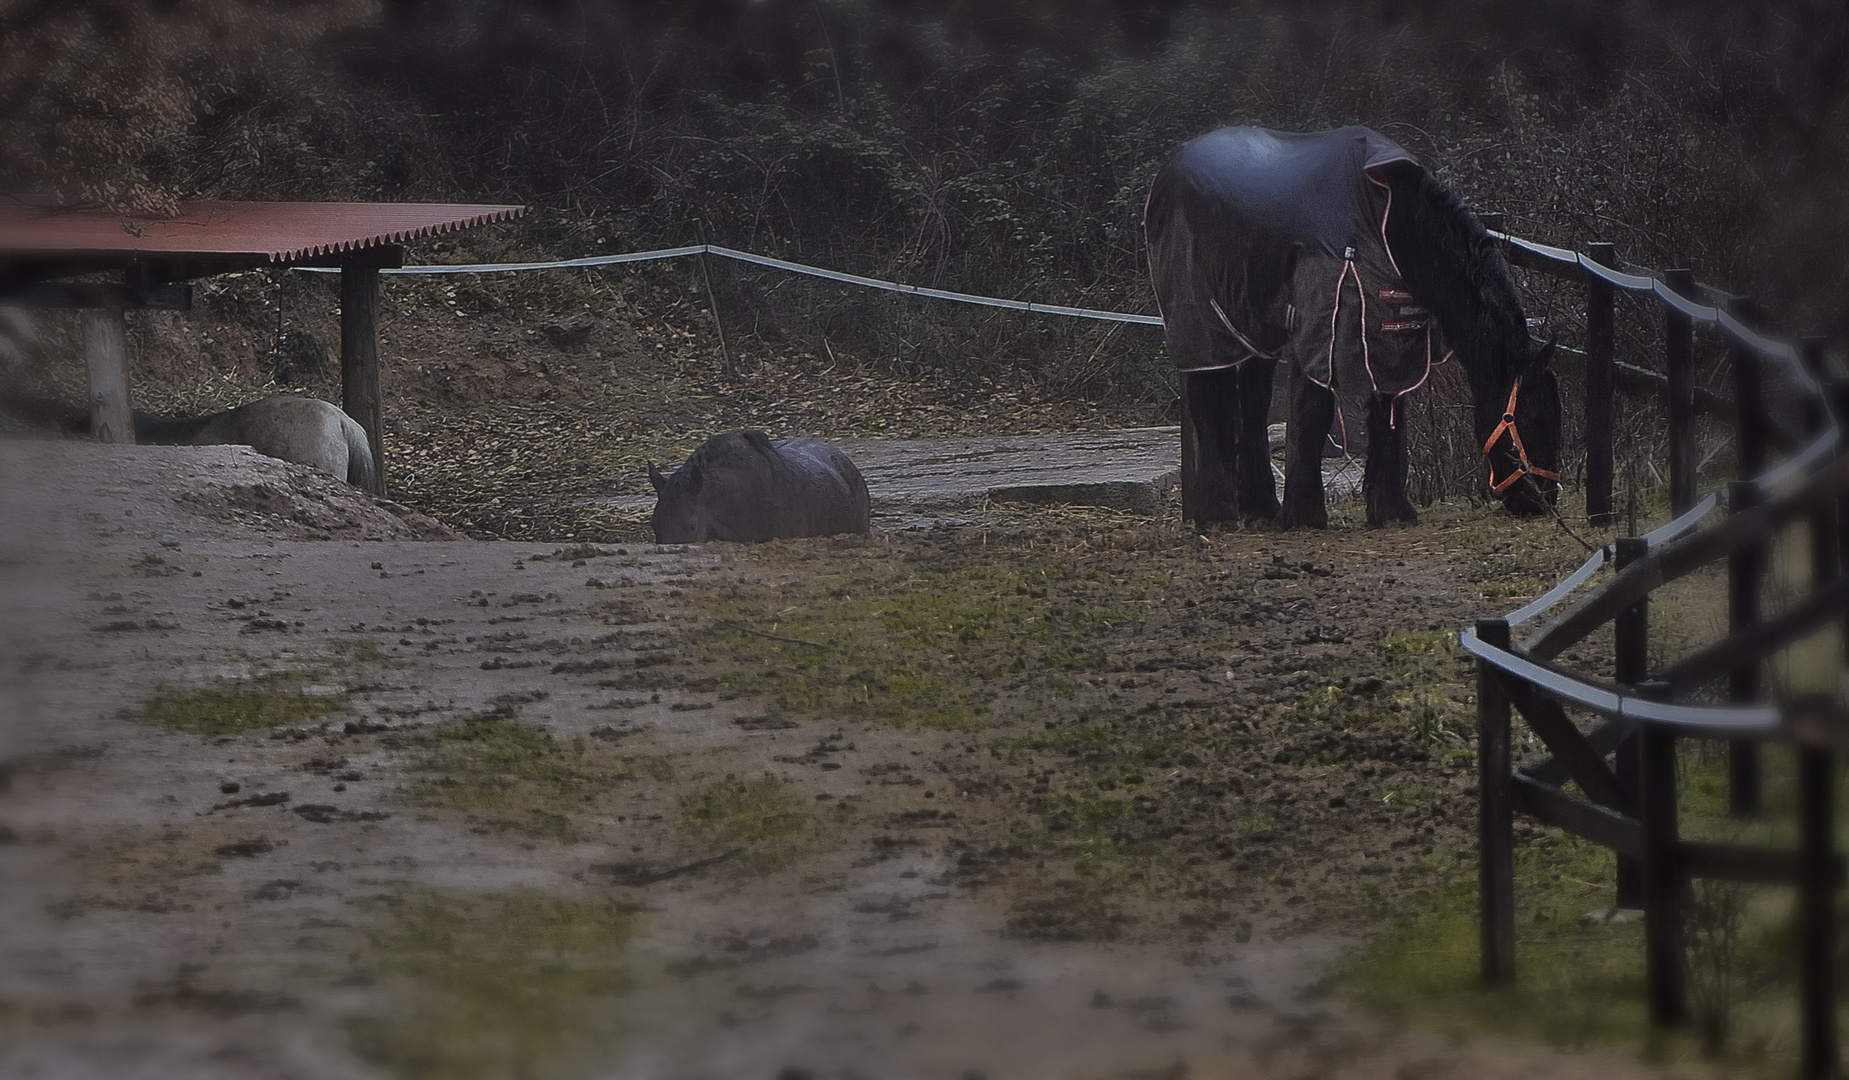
[(289, 786)]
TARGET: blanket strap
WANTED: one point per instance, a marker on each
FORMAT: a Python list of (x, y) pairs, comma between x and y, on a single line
[(1521, 452)]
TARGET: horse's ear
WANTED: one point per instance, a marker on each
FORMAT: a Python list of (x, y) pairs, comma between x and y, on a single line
[(655, 478)]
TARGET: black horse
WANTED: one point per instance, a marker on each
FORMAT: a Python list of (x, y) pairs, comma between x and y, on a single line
[(1338, 252)]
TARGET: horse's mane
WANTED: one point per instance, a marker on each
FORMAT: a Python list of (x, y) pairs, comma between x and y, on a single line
[(1447, 259)]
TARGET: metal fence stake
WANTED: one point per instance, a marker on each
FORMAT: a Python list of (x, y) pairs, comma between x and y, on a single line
[(1679, 364), (1600, 336)]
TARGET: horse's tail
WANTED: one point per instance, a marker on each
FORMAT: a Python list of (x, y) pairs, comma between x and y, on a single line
[(360, 472)]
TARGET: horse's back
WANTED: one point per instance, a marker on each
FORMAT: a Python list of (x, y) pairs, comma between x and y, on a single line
[(840, 494), (307, 431), (740, 486)]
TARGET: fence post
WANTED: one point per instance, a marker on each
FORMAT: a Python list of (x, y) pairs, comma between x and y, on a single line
[(1495, 802), (1679, 365), (712, 304), (1816, 913), (1663, 957), (1746, 565), (1749, 409), (1823, 530), (1743, 611), (1630, 665), (1600, 337)]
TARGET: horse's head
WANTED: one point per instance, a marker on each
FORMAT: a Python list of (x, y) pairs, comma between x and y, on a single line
[(680, 516), (1523, 437)]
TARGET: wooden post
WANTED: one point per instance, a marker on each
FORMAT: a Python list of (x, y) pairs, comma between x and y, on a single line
[(1748, 398), (1495, 801), (1819, 1057), (1679, 364), (1600, 338), (712, 304), (1743, 612), (1664, 962), (359, 359), (1630, 666), (105, 355), (1824, 535)]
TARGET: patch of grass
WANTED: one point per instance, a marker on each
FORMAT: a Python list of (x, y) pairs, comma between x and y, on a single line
[(511, 776), (1578, 986), (1096, 830), (1520, 587), (493, 985), (909, 649), (763, 814), (1580, 982), (1112, 748), (1418, 642), (234, 709), (282, 689)]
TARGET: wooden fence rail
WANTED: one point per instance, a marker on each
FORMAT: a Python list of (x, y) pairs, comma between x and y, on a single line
[(1624, 764)]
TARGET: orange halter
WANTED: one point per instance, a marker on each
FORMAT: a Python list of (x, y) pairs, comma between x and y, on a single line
[(1521, 452)]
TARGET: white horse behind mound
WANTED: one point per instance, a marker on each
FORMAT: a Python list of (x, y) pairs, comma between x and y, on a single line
[(304, 430)]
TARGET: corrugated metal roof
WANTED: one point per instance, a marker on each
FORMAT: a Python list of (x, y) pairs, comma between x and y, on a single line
[(209, 229)]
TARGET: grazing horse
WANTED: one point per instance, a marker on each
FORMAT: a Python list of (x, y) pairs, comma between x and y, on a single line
[(304, 430), (1337, 252), (739, 486)]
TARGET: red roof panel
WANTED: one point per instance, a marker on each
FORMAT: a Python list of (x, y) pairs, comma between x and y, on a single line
[(261, 231)]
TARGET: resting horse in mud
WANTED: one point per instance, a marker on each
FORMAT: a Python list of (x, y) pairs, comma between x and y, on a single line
[(1338, 252), (304, 430), (739, 486)]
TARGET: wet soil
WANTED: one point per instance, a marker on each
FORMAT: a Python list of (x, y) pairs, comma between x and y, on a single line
[(290, 787)]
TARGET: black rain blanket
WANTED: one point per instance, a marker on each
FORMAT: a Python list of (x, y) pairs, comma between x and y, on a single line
[(1273, 244)]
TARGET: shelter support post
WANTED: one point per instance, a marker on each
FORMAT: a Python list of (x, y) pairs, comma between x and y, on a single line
[(1679, 365), (1600, 393), (105, 354), (1496, 824), (359, 349), (1630, 663)]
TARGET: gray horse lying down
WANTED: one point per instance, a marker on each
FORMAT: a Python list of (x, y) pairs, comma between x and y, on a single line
[(739, 486), (304, 430)]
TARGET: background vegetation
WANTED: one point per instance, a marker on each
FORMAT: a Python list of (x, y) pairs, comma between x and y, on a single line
[(1001, 147)]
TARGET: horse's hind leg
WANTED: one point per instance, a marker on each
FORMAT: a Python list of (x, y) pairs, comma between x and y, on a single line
[(1209, 426), (1383, 485), (1258, 490), (1312, 410)]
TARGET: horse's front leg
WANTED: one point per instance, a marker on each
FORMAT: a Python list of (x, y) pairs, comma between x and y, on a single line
[(1258, 490), (1312, 410), (1383, 484), (1209, 424)]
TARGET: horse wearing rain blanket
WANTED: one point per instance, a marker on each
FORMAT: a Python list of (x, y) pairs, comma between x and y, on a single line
[(739, 486), (1338, 252)]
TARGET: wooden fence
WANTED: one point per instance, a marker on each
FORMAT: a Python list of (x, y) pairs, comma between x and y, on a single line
[(1624, 763)]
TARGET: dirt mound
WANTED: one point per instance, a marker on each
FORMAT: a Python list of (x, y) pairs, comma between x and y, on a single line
[(42, 480)]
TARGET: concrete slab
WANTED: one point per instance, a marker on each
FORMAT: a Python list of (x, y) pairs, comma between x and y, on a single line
[(1123, 470), (925, 482)]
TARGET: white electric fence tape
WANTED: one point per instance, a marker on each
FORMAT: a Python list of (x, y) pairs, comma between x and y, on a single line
[(780, 264)]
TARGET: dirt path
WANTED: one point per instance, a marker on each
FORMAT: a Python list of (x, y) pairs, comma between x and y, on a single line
[(1042, 796)]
